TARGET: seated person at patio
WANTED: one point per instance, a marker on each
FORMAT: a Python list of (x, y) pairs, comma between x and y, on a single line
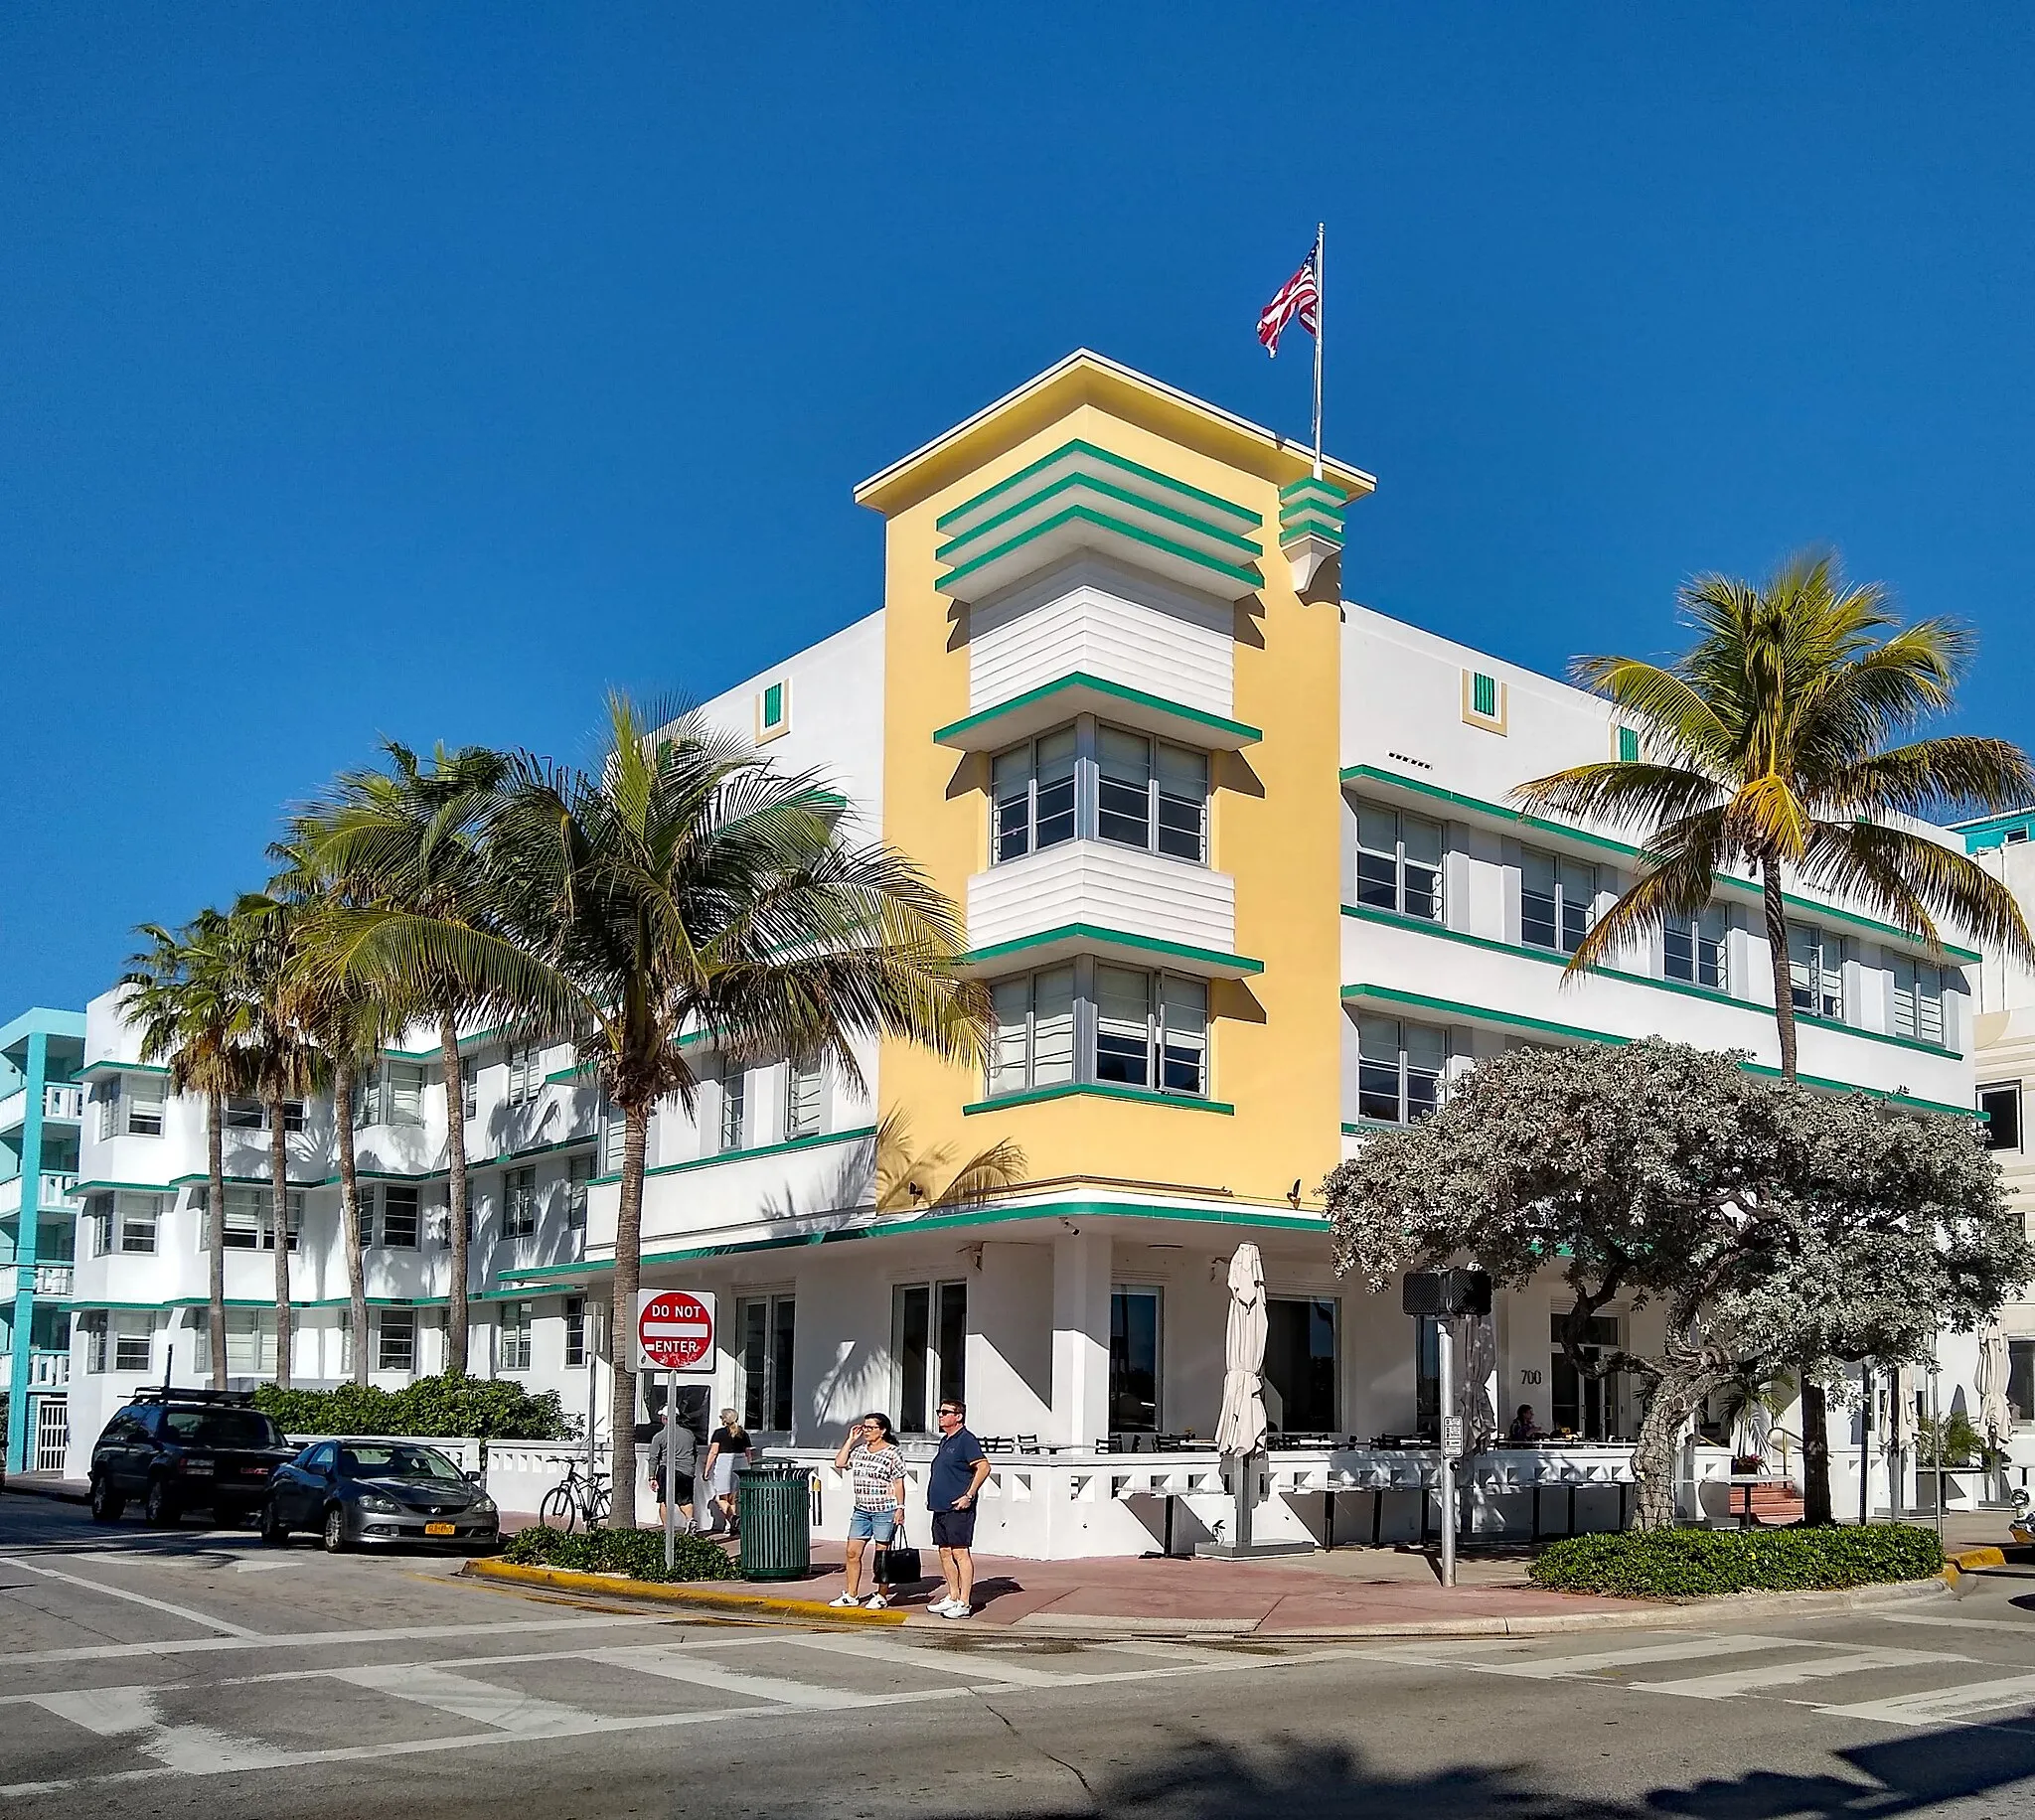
[(1525, 1427)]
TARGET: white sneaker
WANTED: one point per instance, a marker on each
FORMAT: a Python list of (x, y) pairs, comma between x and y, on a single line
[(843, 1599), (874, 1603), (957, 1609), (939, 1606)]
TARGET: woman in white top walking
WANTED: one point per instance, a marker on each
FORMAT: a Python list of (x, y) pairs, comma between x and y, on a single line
[(875, 1468)]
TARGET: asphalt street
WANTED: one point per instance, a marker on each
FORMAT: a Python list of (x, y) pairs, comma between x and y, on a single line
[(158, 1673)]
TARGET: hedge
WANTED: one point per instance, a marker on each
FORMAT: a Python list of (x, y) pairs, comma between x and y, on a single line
[(638, 1553), (450, 1406), (1701, 1562)]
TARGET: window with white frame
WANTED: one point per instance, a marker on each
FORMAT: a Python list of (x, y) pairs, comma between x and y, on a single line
[(1031, 792), (250, 1217), (1918, 1000), (1398, 862), (576, 1331), (525, 1073), (614, 1136), (518, 1203), (246, 1113), (395, 1340), (929, 1342), (1034, 1033), (1150, 794), (514, 1319), (1815, 972), (1692, 950), (399, 1216), (107, 1095), (93, 1327), (469, 1087), (765, 1329), (1400, 1069), (346, 1343), (733, 1105), (578, 1172), (140, 1217), (1151, 1030), (99, 1224), (1557, 895), (143, 1104), (802, 1100), (394, 1095), (133, 1340), (2000, 1103)]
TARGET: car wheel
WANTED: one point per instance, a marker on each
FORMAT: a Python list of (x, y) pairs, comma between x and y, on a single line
[(274, 1531), (106, 1503), (337, 1541), (160, 1506)]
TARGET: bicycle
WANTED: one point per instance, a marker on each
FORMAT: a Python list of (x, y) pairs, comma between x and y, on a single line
[(578, 1497)]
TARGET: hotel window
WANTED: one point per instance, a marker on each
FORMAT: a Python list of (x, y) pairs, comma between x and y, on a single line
[(518, 1203), (469, 1087), (514, 1319), (773, 711), (1151, 1030), (1918, 1000), (2001, 1106), (578, 1172), (133, 1338), (139, 1216), (399, 1216), (1134, 1356), (1815, 972), (245, 1115), (929, 1327), (251, 1343), (93, 1327), (1692, 948), (249, 1216), (525, 1073), (144, 1107), (734, 1102), (1555, 899), (395, 1340), (2021, 1380), (1151, 795), (614, 1136), (1400, 1068), (765, 1329), (802, 1101), (1031, 790), (1398, 863), (1035, 1037), (1584, 1405), (1300, 1363), (1628, 745), (394, 1095), (576, 1331)]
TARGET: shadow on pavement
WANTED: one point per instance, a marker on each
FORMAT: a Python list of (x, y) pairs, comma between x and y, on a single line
[(1917, 1771)]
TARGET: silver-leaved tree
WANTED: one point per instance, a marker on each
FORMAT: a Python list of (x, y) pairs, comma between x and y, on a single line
[(1759, 1218)]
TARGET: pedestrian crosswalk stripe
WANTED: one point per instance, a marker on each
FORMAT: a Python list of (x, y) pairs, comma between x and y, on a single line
[(1787, 1674), (964, 1663), (427, 1684), (1547, 1668), (1938, 1705), (674, 1666)]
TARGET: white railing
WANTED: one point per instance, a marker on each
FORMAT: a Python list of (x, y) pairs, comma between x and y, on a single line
[(49, 1370), (55, 1189), (10, 1197), (54, 1279), (64, 1099), (13, 1108)]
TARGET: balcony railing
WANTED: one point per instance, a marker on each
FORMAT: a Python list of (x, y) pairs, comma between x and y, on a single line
[(64, 1099), (58, 1191), (53, 1280), (49, 1370)]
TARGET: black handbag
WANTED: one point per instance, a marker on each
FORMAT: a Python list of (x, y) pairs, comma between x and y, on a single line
[(898, 1566)]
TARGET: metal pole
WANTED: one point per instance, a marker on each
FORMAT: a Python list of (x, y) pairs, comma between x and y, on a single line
[(1321, 306), (1445, 1360), (1936, 1429), (1865, 1445), (671, 1509)]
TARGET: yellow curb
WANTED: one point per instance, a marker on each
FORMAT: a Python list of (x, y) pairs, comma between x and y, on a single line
[(1972, 1560), (564, 1580)]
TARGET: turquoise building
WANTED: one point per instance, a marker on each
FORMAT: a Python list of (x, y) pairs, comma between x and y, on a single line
[(2008, 830), (41, 1111)]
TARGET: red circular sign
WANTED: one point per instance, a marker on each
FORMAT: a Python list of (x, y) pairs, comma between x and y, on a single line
[(676, 1331)]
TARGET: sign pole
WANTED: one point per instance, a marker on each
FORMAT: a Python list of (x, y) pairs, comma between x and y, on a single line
[(1451, 1439), (671, 1508)]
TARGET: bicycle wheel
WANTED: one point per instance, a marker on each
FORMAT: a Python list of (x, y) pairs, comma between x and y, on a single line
[(558, 1509), (601, 1503)]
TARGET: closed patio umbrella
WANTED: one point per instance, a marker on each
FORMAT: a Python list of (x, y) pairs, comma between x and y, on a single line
[(1240, 1430), (1995, 1418)]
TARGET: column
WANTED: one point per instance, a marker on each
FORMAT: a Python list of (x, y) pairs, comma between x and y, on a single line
[(1081, 1271), (20, 1436)]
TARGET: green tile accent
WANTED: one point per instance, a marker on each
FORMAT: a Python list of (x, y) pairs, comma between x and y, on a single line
[(1098, 1090), (1242, 513), (1886, 932), (1114, 938), (818, 1141), (1628, 745), (773, 706), (950, 551), (1484, 693), (94, 1070), (1229, 571), (1117, 691)]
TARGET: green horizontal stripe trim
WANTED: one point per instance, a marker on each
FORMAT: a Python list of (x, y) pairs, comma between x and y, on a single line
[(1311, 522), (499, 1160), (128, 1187), (1116, 527), (1511, 1020), (1242, 513), (328, 1301), (950, 551), (1099, 1090), (1113, 938), (91, 1069), (1312, 487), (814, 1142), (436, 1052), (1364, 913), (1476, 804), (1117, 692)]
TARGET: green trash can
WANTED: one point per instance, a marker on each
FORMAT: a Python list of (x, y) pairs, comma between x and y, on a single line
[(774, 1504)]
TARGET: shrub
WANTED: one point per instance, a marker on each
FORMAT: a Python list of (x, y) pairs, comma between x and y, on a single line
[(638, 1553), (1701, 1562), (450, 1406)]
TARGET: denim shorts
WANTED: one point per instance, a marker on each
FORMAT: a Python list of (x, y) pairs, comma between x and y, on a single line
[(872, 1525)]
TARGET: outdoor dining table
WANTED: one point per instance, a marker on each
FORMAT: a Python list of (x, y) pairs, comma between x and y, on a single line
[(1747, 1480)]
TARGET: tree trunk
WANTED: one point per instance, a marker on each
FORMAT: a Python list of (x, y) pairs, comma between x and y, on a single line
[(622, 1319), (455, 1190), (1816, 1449), (1777, 950), (279, 1223), (349, 1213), (1675, 1399), (216, 1232)]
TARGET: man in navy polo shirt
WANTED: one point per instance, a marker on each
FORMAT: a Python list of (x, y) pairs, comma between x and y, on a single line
[(958, 1471)]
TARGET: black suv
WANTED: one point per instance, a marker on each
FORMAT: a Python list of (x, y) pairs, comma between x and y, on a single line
[(178, 1449)]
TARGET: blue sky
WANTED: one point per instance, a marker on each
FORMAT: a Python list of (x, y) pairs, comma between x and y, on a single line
[(396, 370)]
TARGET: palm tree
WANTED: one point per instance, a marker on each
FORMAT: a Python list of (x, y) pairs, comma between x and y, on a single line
[(407, 842), (912, 1180), (685, 884), (1768, 748), (186, 990), (283, 1065)]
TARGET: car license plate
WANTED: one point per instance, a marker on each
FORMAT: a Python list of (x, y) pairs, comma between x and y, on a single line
[(440, 1529)]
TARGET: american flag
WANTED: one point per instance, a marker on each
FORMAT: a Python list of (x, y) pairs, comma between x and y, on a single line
[(1299, 296)]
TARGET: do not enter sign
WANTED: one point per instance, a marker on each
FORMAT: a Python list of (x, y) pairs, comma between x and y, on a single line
[(675, 1332)]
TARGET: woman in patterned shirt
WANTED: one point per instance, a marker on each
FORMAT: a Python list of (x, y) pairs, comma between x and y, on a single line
[(870, 1458)]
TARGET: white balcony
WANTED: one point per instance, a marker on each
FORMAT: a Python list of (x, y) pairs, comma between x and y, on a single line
[(1094, 897), (64, 1099), (49, 1370), (53, 1280), (14, 1109), (58, 1191), (10, 1197)]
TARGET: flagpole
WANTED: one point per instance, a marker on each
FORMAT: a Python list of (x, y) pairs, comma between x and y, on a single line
[(1320, 307)]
